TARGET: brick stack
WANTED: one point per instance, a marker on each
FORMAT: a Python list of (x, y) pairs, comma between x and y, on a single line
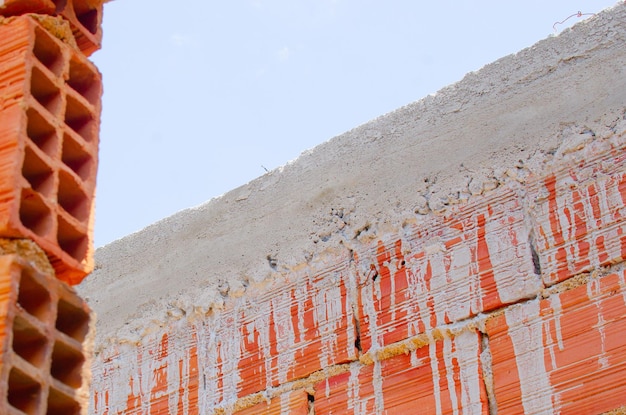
[(45, 325), (49, 121)]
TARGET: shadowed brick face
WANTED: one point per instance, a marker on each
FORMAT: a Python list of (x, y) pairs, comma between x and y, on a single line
[(507, 296), (49, 141)]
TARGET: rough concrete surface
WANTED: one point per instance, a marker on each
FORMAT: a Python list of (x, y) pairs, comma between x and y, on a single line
[(497, 125)]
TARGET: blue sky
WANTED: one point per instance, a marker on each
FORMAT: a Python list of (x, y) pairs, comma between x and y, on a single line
[(200, 96)]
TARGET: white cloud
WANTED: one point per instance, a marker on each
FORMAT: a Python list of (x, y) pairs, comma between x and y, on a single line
[(332, 7), (179, 39), (283, 54)]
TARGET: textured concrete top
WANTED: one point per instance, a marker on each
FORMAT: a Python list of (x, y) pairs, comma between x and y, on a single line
[(495, 125)]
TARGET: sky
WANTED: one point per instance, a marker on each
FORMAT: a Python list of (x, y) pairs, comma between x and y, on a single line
[(202, 96)]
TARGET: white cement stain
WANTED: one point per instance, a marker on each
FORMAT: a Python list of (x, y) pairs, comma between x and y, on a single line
[(594, 293), (555, 320), (329, 306), (285, 404), (415, 360), (432, 353), (417, 293), (525, 330), (355, 402), (285, 334), (507, 238), (462, 285), (555, 304), (449, 358), (438, 285), (377, 384), (467, 351)]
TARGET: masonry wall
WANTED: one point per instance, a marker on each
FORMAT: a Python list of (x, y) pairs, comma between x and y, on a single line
[(463, 254)]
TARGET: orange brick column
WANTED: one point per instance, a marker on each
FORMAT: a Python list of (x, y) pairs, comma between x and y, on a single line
[(49, 129), (49, 120)]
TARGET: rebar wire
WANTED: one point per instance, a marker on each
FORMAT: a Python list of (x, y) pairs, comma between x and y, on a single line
[(577, 14)]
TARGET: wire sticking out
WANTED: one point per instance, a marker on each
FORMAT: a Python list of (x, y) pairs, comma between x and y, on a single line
[(577, 14)]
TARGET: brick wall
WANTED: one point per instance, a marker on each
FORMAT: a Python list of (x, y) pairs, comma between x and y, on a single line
[(514, 300), (504, 293)]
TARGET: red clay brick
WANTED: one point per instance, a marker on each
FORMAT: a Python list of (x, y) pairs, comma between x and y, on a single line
[(442, 377), (292, 403), (474, 259), (43, 329), (48, 159), (84, 16), (565, 354), (578, 216)]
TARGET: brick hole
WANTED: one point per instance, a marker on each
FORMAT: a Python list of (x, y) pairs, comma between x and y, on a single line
[(77, 158), (61, 404), (87, 17), (33, 297), (80, 119), (71, 196), (67, 365), (48, 52), (60, 5), (71, 240), (34, 214), (28, 342), (42, 133), (357, 332), (37, 172), (534, 256), (45, 91), (84, 80), (24, 393), (72, 320)]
